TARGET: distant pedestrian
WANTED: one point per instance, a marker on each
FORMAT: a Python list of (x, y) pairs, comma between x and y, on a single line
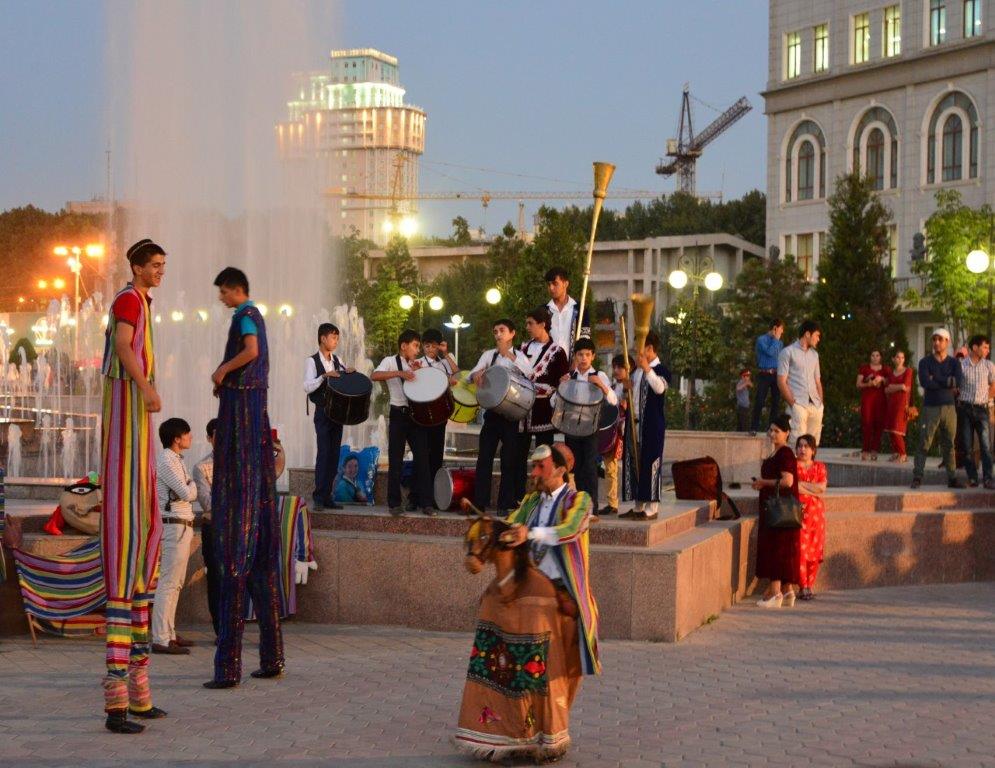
[(871, 380), (939, 376), (743, 400), (977, 389), (812, 481), (800, 380), (767, 348), (898, 392)]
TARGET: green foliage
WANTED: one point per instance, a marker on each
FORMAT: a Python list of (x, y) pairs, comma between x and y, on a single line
[(27, 237), (953, 292), (854, 299), (693, 343), (461, 232), (678, 214)]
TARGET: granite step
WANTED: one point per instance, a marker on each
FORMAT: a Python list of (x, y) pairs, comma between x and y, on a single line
[(888, 499)]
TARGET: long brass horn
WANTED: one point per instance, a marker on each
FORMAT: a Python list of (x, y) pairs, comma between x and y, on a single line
[(602, 178), (642, 315)]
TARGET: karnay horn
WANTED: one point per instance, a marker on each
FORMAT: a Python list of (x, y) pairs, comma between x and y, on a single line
[(602, 177), (642, 316)]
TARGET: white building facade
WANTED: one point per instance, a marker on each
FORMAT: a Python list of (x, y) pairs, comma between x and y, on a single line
[(899, 90)]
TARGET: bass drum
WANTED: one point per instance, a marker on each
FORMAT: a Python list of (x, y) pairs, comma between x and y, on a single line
[(465, 405), (578, 408), (609, 428), (506, 392), (429, 397), (348, 399), (452, 485)]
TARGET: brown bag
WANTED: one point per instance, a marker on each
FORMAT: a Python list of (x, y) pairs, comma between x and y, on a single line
[(701, 479)]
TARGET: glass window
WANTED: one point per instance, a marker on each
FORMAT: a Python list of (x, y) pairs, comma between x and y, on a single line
[(892, 30), (821, 48), (806, 171), (805, 255), (937, 21), (875, 157), (972, 18), (960, 100), (953, 148), (794, 52), (861, 38)]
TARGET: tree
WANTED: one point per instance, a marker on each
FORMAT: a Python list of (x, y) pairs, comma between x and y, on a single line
[(694, 344), (461, 232), (954, 293), (854, 300), (379, 301)]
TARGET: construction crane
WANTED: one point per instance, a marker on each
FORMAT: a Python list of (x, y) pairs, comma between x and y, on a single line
[(687, 147)]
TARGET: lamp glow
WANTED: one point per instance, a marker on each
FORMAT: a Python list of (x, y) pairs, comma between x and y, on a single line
[(408, 226), (202, 314), (435, 303), (94, 250), (977, 261), (286, 310), (58, 283), (678, 279), (176, 316), (713, 281), (60, 250), (671, 320), (388, 226), (263, 309), (42, 285), (493, 296), (406, 302), (456, 319)]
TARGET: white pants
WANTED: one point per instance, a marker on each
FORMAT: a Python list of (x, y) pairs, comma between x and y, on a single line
[(805, 420), (174, 554)]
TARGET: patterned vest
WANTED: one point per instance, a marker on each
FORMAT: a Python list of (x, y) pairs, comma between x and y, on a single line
[(141, 342), (255, 375)]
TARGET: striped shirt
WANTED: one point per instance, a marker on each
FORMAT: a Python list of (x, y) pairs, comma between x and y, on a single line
[(174, 487), (977, 378)]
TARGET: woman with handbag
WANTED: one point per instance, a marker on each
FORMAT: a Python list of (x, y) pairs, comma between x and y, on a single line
[(898, 390), (779, 533), (812, 481)]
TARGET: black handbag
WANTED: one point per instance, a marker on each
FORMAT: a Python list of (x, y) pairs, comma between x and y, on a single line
[(783, 511)]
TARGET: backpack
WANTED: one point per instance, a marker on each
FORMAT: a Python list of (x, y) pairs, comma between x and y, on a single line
[(701, 478)]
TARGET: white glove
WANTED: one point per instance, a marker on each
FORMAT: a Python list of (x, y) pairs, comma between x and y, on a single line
[(301, 568)]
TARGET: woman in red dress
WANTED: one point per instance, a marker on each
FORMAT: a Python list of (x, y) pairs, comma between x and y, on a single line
[(870, 381), (898, 391), (778, 549), (812, 480)]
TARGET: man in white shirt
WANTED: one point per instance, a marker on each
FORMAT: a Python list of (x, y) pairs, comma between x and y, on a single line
[(497, 430), (175, 491), (203, 477), (799, 380), (565, 311), (433, 357), (318, 369), (585, 449), (401, 429), (549, 364)]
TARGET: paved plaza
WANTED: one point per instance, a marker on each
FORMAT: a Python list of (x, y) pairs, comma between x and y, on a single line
[(887, 677)]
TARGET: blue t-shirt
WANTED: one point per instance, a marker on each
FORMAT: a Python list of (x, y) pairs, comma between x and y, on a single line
[(938, 380), (247, 326)]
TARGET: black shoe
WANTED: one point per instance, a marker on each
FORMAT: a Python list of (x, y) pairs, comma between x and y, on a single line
[(218, 684), (972, 483), (916, 482), (317, 506), (265, 674), (411, 506), (956, 483), (396, 511), (118, 722), (149, 714), (607, 510), (172, 649), (429, 511), (335, 505)]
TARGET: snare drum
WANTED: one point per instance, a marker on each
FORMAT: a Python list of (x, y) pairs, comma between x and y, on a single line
[(465, 405), (609, 428), (578, 408), (429, 397), (506, 392), (452, 485), (348, 399)]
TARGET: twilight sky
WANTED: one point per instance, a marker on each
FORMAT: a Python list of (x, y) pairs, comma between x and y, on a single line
[(529, 88)]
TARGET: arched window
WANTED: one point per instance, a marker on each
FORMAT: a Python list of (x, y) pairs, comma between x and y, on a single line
[(875, 148), (805, 163), (952, 137)]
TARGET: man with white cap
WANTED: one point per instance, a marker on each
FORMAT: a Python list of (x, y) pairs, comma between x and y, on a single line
[(940, 376)]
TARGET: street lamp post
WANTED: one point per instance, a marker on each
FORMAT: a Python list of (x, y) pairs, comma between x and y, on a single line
[(455, 324), (980, 261), (75, 264), (407, 301), (698, 274)]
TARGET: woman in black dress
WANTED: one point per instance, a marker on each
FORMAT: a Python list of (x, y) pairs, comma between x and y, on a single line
[(778, 549)]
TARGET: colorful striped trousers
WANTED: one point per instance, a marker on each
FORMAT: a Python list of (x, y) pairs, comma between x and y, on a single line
[(245, 526), (129, 542)]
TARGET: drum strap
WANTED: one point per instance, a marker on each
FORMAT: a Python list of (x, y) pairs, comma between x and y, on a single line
[(494, 357)]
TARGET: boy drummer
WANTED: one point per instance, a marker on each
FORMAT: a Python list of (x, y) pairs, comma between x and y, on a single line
[(401, 429), (585, 449), (435, 437), (499, 430), (549, 364)]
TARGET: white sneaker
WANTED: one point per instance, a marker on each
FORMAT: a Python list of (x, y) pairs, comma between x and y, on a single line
[(774, 601), (789, 600)]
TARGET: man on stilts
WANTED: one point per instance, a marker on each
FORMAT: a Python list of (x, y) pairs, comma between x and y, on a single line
[(131, 526), (245, 525)]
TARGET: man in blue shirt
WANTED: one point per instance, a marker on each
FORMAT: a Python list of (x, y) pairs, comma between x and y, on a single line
[(939, 376), (767, 348)]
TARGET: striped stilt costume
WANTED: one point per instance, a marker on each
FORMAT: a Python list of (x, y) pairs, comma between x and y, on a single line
[(131, 524)]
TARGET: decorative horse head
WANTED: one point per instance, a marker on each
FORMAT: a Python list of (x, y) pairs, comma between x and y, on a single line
[(484, 545)]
